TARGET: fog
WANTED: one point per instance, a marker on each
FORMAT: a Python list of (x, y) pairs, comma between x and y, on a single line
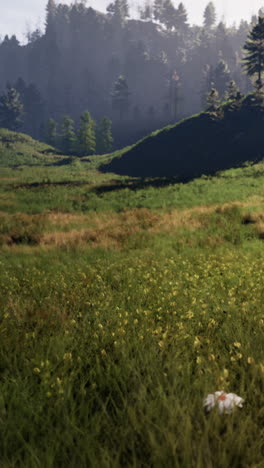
[(18, 15)]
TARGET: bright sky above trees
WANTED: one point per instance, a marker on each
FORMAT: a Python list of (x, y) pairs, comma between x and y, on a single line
[(17, 14)]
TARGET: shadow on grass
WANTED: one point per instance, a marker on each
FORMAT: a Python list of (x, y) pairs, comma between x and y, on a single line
[(48, 183), (137, 184)]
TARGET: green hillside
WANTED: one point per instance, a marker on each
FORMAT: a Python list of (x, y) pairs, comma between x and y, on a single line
[(202, 144), (19, 149), (123, 302)]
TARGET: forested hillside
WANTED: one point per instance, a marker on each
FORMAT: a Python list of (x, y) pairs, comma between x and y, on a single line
[(167, 66)]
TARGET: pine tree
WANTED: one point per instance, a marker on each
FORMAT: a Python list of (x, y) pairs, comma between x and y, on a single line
[(207, 84), (254, 49), (158, 10), (175, 97), (119, 11), (51, 136), (33, 107), (146, 13), (181, 16), (87, 135), (51, 10), (68, 136), (209, 16), (11, 110), (104, 136), (232, 90), (120, 96), (213, 100), (221, 76), (168, 14)]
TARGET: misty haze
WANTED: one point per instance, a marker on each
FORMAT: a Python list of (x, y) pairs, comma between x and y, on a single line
[(131, 234), (168, 67)]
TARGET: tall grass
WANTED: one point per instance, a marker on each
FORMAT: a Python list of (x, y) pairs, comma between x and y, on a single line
[(120, 309), (106, 358)]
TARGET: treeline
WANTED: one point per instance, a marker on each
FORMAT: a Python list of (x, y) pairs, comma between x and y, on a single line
[(167, 66), (88, 139)]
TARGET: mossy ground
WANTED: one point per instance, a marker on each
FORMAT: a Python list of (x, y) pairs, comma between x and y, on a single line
[(122, 304)]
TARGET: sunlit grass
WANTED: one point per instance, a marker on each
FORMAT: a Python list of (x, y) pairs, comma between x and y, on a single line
[(119, 351), (121, 307)]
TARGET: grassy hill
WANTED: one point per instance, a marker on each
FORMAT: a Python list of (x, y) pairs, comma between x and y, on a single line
[(202, 144), (19, 149), (124, 302)]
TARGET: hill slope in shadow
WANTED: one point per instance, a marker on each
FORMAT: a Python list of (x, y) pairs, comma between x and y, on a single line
[(202, 144)]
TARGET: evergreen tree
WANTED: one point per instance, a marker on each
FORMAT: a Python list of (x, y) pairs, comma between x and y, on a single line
[(51, 136), (104, 136), (11, 110), (87, 135), (254, 49), (175, 98), (158, 10), (120, 96), (33, 107), (119, 10), (232, 90), (181, 22), (221, 76), (168, 14), (213, 100), (209, 16), (51, 10), (146, 13), (207, 84), (68, 136)]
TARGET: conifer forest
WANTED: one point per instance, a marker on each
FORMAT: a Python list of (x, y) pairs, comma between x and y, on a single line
[(141, 73), (131, 240)]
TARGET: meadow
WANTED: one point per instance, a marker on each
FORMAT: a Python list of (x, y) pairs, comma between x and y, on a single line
[(123, 303)]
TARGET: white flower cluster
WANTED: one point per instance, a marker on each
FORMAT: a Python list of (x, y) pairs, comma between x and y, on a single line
[(225, 402)]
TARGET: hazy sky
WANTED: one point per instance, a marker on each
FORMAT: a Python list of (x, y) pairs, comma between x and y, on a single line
[(16, 14)]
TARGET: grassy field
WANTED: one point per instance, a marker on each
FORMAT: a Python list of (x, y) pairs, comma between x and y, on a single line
[(123, 303)]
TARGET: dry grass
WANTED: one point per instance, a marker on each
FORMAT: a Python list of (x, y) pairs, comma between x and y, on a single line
[(260, 229), (112, 230), (258, 220)]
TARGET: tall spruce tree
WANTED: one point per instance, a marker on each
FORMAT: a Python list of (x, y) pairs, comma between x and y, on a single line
[(33, 107), (11, 110), (232, 90), (146, 13), (209, 16), (68, 136), (168, 14), (86, 135), (104, 136), (213, 100), (254, 50), (158, 10), (175, 98), (51, 10), (221, 76), (207, 84), (50, 132), (181, 19), (120, 96), (119, 11)]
